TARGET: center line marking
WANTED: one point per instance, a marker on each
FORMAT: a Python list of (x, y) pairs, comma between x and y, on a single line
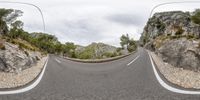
[(58, 60), (133, 60)]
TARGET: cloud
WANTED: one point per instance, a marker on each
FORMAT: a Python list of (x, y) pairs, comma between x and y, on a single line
[(127, 19), (82, 30)]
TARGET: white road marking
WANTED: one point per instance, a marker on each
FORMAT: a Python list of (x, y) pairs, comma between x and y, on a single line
[(31, 86), (58, 60), (133, 60), (168, 87)]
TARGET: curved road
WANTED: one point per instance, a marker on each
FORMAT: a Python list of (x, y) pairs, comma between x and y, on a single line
[(123, 79)]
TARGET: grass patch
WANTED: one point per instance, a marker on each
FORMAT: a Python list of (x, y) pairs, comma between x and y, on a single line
[(24, 44)]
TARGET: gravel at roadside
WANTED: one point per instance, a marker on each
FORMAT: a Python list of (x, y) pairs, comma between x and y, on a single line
[(11, 80), (179, 76)]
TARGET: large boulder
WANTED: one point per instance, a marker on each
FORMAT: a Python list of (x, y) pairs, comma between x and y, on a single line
[(181, 53), (13, 59)]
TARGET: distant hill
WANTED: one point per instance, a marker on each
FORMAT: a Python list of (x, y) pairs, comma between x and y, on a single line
[(96, 51)]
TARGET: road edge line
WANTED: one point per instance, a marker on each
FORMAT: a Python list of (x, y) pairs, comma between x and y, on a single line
[(133, 60), (165, 85), (29, 87)]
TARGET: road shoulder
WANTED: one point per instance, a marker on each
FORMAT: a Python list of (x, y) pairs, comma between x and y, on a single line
[(184, 78), (12, 81)]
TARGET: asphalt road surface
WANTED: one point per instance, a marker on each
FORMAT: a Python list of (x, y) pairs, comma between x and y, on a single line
[(122, 79)]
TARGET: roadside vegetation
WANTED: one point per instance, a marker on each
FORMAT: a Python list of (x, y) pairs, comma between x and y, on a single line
[(196, 16), (127, 43)]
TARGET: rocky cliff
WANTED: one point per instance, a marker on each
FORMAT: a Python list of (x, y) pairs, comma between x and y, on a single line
[(175, 38), (171, 24), (14, 59)]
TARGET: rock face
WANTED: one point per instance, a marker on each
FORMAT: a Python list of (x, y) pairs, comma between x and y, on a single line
[(181, 53), (171, 24), (175, 38), (101, 48), (13, 59)]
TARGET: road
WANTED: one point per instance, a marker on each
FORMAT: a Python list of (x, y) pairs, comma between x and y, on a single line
[(124, 79)]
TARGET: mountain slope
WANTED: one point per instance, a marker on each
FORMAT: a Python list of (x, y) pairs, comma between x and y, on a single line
[(96, 51)]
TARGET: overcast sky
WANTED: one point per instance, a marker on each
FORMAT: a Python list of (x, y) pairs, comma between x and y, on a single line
[(86, 21)]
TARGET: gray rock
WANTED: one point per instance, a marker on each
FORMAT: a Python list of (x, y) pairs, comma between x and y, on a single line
[(181, 53), (169, 23), (13, 59), (2, 65), (150, 46)]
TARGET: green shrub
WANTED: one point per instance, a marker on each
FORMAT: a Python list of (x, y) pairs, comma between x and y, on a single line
[(85, 55), (74, 55), (107, 54), (131, 48), (114, 54), (196, 16), (119, 49), (110, 54)]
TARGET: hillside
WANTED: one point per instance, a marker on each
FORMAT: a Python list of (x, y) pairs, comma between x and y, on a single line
[(96, 51), (175, 37)]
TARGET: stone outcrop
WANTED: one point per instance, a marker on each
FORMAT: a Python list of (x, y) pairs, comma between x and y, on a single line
[(181, 53), (13, 59), (171, 24), (175, 38), (101, 48)]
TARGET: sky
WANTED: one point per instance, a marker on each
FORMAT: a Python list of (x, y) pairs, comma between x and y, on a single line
[(87, 21)]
